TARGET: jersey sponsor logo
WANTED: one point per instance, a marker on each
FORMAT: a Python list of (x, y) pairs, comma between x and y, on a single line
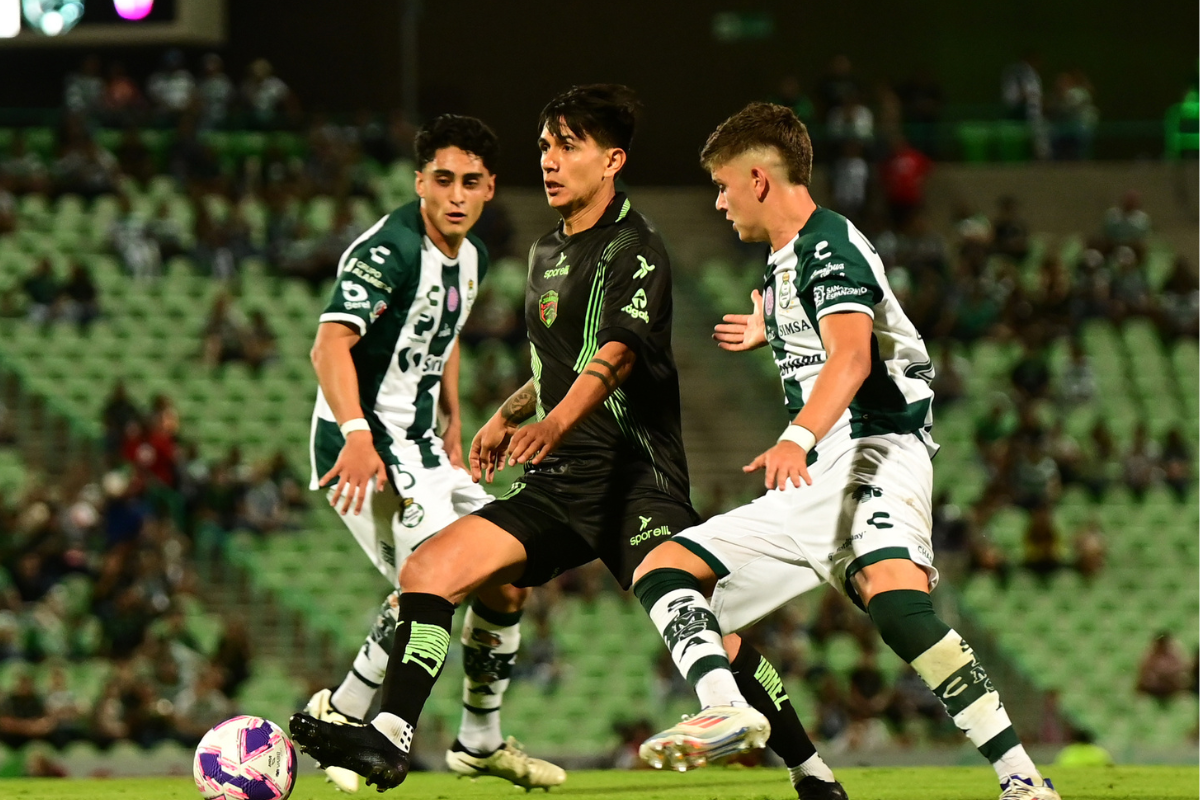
[(827, 270), (452, 299), (379, 308), (798, 362), (644, 270), (648, 533), (637, 306), (354, 306), (433, 365), (792, 328), (364, 271), (413, 514), (817, 254), (769, 300), (827, 294), (470, 291), (559, 270), (353, 293), (548, 308)]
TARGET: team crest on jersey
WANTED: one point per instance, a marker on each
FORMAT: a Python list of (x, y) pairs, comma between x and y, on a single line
[(470, 291), (452, 299), (378, 310), (413, 513), (787, 290), (769, 300), (548, 308)]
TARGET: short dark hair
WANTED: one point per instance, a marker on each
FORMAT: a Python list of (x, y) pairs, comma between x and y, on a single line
[(451, 130), (607, 112), (762, 125)]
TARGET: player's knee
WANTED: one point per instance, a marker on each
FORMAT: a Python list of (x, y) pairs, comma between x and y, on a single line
[(507, 599), (670, 555)]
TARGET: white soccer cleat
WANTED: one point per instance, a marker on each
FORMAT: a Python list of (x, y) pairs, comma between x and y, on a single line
[(509, 762), (715, 733), (320, 706), (1022, 787)]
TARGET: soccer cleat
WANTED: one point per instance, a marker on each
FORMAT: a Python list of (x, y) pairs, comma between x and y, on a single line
[(813, 788), (320, 706), (509, 762), (715, 733), (362, 749), (1022, 787)]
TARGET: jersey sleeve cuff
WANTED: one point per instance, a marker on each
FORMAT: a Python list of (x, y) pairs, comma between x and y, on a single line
[(357, 323), (622, 335), (840, 308)]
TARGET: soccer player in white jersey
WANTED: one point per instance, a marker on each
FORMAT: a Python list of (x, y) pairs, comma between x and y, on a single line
[(386, 358), (850, 477)]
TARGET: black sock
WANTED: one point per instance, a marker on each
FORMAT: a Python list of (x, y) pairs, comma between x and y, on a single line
[(762, 687), (418, 654)]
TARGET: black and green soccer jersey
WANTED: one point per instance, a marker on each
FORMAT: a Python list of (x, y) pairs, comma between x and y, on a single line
[(828, 268), (408, 300), (610, 283)]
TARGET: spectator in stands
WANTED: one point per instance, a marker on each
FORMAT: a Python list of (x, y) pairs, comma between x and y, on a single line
[(792, 95), (215, 93), (868, 696), (1176, 463), (949, 377), (202, 706), (83, 92), (67, 711), (118, 412), (836, 85), (80, 298), (266, 96), (1130, 286), (134, 158), (849, 178), (262, 347), (8, 206), (191, 161), (1031, 375), (172, 88), (921, 97), (1073, 116), (903, 175), (1139, 467), (86, 169), (1077, 383), (23, 715), (1090, 549), (1178, 303), (167, 232), (42, 292), (233, 657), (1043, 551), (850, 121), (1021, 90), (224, 333), (220, 243), (23, 170), (1127, 223), (832, 717), (123, 100), (1033, 477), (129, 236), (1091, 294), (1163, 671), (1010, 236)]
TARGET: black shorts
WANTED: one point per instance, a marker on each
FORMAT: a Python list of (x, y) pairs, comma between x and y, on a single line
[(573, 511)]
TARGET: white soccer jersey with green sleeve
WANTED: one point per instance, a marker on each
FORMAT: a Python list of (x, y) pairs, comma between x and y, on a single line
[(409, 301), (831, 267)]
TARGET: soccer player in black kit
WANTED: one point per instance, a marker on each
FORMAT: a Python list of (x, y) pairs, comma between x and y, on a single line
[(605, 470)]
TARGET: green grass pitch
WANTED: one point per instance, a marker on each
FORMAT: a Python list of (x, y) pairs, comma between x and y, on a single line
[(921, 783)]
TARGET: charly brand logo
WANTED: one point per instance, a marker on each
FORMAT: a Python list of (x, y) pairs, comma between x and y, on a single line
[(817, 251), (548, 308)]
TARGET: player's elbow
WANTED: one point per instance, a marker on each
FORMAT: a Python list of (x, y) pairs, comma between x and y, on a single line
[(856, 366)]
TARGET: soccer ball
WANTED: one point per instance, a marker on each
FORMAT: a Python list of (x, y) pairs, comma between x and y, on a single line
[(245, 758)]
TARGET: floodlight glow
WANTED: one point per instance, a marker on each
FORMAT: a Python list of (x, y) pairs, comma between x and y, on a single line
[(52, 17), (133, 9), (10, 18)]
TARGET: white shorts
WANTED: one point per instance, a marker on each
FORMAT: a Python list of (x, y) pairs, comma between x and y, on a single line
[(869, 502), (391, 526)]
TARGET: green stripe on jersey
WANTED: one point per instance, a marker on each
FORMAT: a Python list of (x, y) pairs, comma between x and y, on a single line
[(535, 363), (591, 321)]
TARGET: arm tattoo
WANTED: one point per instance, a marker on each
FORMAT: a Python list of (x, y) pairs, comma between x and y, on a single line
[(521, 406)]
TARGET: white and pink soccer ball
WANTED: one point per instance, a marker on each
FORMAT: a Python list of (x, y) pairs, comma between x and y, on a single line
[(245, 758)]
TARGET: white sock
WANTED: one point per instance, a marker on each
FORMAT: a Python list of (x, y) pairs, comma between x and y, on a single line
[(1017, 761), (719, 688), (815, 767), (489, 650), (398, 732), (354, 697)]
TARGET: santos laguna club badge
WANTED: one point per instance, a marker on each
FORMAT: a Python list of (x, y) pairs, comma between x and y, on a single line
[(548, 308), (787, 290)]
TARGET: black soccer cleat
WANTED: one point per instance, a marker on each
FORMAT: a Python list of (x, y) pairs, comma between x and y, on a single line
[(813, 788), (358, 748)]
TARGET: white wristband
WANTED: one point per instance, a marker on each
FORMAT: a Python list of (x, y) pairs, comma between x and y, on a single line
[(352, 425), (800, 435)]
